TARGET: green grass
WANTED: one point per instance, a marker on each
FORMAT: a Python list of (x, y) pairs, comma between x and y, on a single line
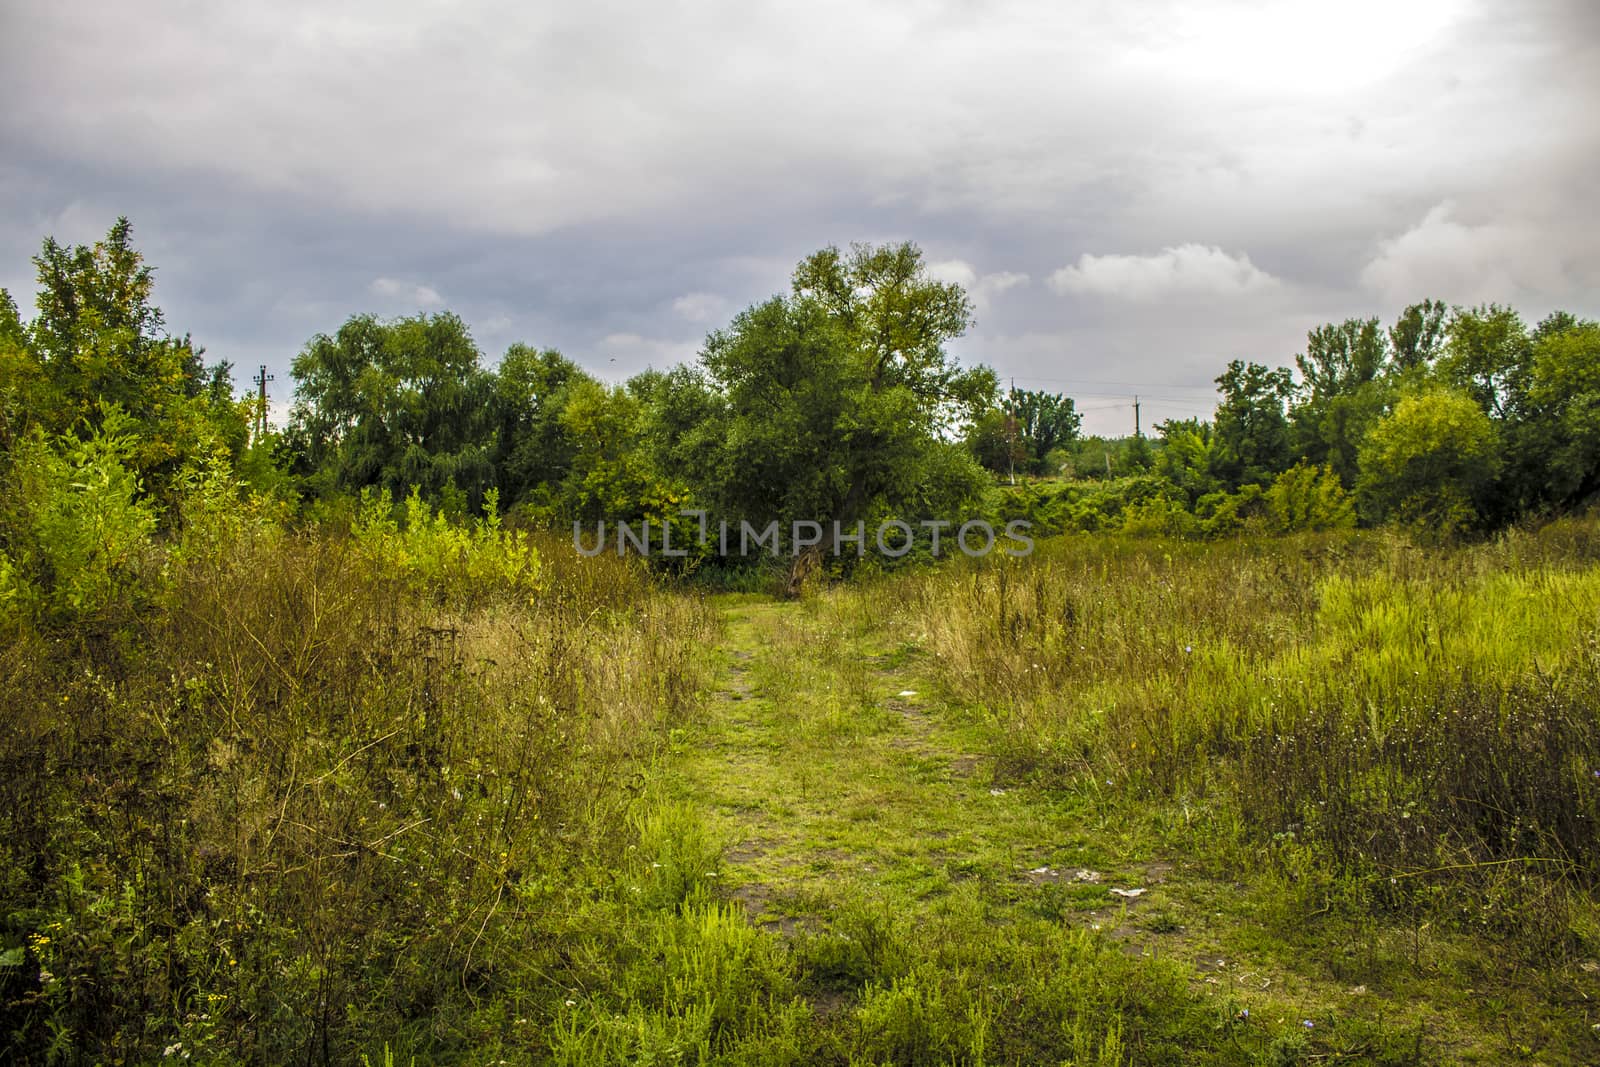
[(1314, 800)]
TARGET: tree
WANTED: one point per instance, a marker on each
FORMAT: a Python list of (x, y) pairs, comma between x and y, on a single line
[(1184, 458), (22, 382), (1563, 417), (393, 405), (1250, 441), (1309, 498), (995, 439), (1341, 393), (533, 449), (1341, 357), (1488, 355), (1417, 337), (685, 426), (1429, 463), (98, 343), (837, 393), (1045, 422)]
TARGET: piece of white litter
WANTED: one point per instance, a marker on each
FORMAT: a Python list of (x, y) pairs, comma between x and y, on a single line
[(907, 693), (1041, 870), (997, 792), (1129, 893), (1086, 875)]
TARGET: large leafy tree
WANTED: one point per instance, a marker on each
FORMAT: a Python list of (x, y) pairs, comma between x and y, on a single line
[(396, 404), (841, 396), (1418, 335), (1430, 462), (1562, 428), (996, 440), (1341, 393), (1250, 435), (1045, 422), (685, 425), (533, 448), (1488, 355), (1184, 458), (98, 343)]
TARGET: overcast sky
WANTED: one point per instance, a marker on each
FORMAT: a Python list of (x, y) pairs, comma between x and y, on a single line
[(1133, 193)]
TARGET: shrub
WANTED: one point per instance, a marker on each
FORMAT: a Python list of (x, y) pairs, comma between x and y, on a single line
[(80, 532)]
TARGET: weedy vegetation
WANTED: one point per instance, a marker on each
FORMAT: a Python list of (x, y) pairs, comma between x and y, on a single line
[(314, 750)]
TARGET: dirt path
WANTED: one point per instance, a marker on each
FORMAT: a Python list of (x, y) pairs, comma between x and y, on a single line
[(830, 770), (835, 778)]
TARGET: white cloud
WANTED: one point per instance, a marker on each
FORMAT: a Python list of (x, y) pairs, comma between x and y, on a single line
[(408, 292), (982, 288), (733, 139), (1466, 263), (701, 307), (1180, 269)]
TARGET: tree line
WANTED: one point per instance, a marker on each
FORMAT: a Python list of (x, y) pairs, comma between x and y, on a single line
[(836, 401)]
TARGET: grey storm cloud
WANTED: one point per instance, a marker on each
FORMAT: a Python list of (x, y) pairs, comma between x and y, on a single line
[(1132, 193)]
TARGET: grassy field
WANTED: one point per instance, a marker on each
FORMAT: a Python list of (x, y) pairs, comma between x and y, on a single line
[(1303, 800)]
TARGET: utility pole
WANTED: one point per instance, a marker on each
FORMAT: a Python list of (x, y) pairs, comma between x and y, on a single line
[(1011, 431), (262, 378), (1136, 432)]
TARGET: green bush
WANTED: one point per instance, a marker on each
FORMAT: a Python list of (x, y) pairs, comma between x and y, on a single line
[(78, 529), (429, 551)]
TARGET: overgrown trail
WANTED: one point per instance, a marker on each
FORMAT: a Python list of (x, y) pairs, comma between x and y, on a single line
[(852, 802), (830, 769)]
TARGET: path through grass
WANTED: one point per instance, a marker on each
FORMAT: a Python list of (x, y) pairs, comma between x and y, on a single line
[(864, 820)]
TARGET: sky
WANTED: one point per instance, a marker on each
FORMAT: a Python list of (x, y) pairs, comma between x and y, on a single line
[(1133, 194)]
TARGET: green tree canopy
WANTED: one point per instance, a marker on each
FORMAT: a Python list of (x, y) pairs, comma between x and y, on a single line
[(1487, 354), (1418, 335), (393, 405), (98, 343), (838, 394), (1342, 392), (1429, 462), (533, 448), (1564, 413), (1250, 437)]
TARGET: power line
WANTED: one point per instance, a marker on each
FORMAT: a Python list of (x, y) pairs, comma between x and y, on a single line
[(1132, 385)]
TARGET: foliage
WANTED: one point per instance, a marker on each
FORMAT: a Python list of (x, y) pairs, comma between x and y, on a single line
[(1021, 435), (1250, 437), (318, 805), (836, 391), (1429, 463), (1184, 458), (431, 552), (1418, 336), (98, 342), (389, 405), (77, 531), (533, 450), (1487, 355), (1564, 406), (1306, 498)]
